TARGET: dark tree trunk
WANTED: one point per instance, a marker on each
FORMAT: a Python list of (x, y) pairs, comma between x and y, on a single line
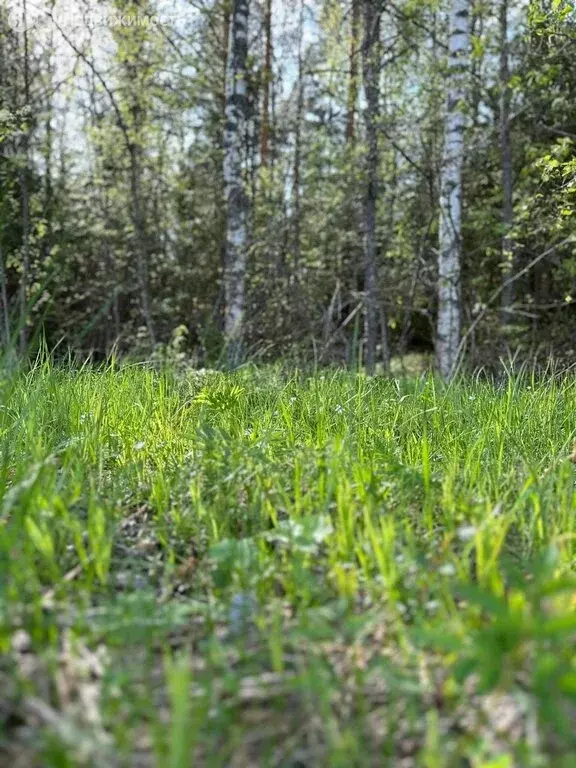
[(372, 70), (25, 202), (353, 75), (297, 191), (267, 84), (141, 240), (508, 246)]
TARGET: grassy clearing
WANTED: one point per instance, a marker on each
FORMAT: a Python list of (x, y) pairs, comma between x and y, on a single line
[(284, 570)]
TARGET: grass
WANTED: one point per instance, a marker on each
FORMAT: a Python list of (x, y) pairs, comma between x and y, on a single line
[(278, 569)]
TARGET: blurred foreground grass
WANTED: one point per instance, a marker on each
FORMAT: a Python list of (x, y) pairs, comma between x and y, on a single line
[(272, 568)]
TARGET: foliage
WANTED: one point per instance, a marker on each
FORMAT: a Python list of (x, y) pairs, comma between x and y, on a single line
[(146, 107)]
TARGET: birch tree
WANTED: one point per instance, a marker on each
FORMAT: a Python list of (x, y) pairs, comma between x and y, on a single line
[(450, 233), (236, 112)]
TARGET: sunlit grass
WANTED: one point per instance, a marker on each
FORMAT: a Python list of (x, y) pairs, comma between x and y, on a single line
[(281, 569)]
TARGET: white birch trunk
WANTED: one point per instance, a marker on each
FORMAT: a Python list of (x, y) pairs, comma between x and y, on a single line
[(236, 112), (449, 310)]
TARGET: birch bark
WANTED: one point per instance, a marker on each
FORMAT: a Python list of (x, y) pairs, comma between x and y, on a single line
[(450, 237), (237, 205)]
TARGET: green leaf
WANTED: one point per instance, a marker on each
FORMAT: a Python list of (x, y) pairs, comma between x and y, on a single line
[(567, 684), (41, 538), (492, 604), (556, 627)]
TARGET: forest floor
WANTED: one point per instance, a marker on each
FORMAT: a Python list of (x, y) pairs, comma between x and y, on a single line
[(280, 569)]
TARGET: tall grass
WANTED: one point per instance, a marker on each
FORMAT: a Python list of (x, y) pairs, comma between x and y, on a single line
[(271, 568)]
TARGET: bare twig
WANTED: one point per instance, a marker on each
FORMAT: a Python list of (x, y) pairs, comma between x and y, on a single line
[(496, 294)]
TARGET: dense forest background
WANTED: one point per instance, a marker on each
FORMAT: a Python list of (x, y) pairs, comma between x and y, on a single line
[(116, 137)]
